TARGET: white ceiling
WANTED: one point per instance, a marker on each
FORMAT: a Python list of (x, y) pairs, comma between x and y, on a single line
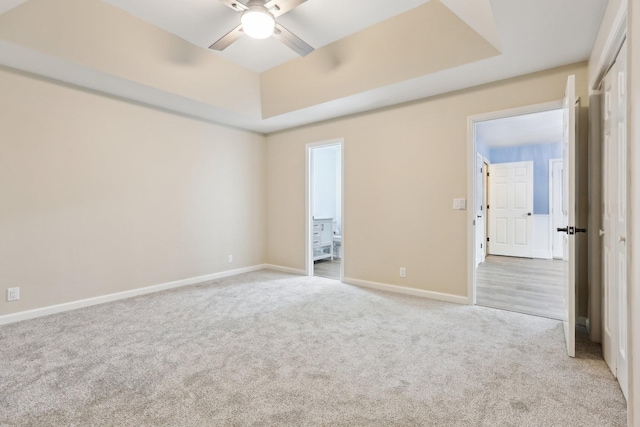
[(532, 35), (527, 129)]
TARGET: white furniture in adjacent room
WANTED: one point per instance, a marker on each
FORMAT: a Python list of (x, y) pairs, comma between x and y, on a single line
[(322, 238)]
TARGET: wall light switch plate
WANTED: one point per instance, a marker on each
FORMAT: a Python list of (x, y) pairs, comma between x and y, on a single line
[(460, 204), (229, 258), (13, 294)]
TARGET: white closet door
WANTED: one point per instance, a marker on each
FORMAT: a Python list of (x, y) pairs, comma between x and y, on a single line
[(614, 220), (620, 240)]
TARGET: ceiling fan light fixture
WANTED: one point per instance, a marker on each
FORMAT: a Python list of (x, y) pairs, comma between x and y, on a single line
[(258, 22)]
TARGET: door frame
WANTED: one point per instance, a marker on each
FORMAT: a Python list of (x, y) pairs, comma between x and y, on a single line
[(633, 206), (482, 161), (471, 180), (486, 195), (309, 202)]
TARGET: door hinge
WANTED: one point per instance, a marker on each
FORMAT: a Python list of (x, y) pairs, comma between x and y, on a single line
[(487, 239), (480, 245), (488, 173), (487, 207)]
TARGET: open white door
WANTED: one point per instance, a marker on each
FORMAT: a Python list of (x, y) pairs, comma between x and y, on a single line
[(569, 199)]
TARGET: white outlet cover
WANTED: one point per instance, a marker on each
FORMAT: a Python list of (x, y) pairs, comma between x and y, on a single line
[(13, 294)]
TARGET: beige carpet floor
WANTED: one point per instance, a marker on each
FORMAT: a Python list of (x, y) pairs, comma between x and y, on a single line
[(268, 348)]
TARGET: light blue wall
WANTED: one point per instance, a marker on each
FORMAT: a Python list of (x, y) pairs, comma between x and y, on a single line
[(482, 149), (540, 154)]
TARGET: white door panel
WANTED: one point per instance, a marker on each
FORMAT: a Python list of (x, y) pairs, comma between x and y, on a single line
[(614, 221), (501, 232), (520, 231), (510, 209), (620, 119), (557, 215)]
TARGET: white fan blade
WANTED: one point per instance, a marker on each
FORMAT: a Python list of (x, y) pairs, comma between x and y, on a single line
[(291, 40), (228, 38)]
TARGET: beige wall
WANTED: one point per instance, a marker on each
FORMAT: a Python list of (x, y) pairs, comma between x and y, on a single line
[(99, 195), (102, 37), (403, 167)]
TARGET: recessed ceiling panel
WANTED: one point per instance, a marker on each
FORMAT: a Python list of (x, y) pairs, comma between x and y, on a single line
[(424, 40), (318, 22), (6, 5)]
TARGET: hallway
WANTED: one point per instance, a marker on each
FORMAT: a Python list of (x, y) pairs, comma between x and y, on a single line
[(523, 285)]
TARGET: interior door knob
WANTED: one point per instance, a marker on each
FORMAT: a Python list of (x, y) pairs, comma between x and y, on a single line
[(622, 239), (528, 213), (563, 230)]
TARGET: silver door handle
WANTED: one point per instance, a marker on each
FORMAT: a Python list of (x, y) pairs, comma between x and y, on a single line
[(601, 233)]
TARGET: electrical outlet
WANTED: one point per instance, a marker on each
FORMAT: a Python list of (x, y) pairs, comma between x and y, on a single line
[(13, 294), (403, 272), (229, 258)]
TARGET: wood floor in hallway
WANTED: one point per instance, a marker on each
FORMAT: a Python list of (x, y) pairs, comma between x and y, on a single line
[(524, 285), (329, 269)]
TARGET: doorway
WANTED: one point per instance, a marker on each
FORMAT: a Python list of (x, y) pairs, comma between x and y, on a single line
[(325, 237), (515, 265)]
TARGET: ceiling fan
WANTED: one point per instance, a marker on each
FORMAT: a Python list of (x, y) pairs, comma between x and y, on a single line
[(258, 20)]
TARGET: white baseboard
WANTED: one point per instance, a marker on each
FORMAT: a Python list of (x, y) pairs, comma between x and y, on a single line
[(408, 291), (73, 305), (285, 269)]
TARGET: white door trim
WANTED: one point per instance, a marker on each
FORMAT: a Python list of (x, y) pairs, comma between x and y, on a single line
[(471, 189), (481, 214), (309, 201), (633, 209)]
